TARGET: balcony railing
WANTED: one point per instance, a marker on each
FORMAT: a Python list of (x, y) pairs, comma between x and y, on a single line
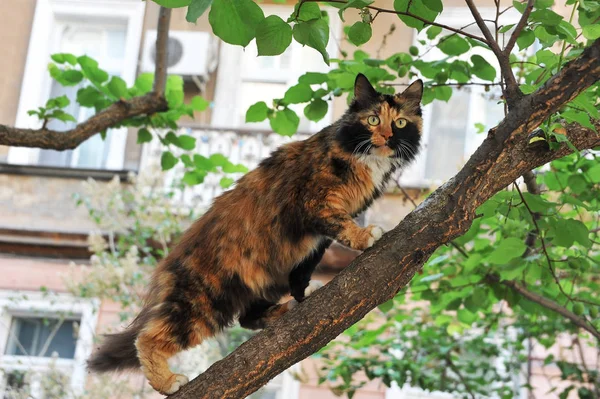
[(246, 147)]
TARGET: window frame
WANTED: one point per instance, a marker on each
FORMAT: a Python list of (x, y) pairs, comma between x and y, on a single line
[(48, 15), (230, 75), (37, 304)]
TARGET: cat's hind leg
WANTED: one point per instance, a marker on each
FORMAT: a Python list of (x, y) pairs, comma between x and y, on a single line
[(158, 342), (262, 312)]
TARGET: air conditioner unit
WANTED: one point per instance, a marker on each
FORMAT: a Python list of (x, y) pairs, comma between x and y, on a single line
[(191, 54)]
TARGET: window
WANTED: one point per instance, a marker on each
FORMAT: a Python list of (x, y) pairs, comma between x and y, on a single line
[(449, 132), (106, 30), (44, 341), (244, 78)]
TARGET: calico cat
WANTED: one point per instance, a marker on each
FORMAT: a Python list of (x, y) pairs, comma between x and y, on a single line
[(263, 239)]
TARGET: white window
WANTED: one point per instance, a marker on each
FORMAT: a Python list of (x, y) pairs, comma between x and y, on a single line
[(106, 30), (244, 78), (449, 132), (44, 342)]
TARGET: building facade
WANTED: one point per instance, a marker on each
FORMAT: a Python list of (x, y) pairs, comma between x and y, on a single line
[(41, 228)]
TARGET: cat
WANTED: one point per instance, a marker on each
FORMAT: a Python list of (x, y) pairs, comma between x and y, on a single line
[(262, 240)]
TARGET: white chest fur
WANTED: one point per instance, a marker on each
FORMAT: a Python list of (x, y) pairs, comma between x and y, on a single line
[(380, 167)]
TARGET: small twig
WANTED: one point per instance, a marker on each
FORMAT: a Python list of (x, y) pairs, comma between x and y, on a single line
[(518, 28), (512, 93), (162, 50), (547, 303), (459, 374), (459, 85), (408, 14)]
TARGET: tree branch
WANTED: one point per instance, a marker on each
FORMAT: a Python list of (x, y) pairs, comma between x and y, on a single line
[(162, 50), (405, 13), (381, 271), (512, 93), (518, 28), (547, 303), (109, 117)]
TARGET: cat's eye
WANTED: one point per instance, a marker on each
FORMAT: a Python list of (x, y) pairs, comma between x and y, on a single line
[(373, 120), (400, 123)]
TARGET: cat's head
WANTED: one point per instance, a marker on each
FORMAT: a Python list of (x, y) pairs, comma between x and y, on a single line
[(381, 124)]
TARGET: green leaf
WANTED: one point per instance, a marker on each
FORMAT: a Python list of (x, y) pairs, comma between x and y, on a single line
[(235, 21), (203, 163), (594, 173), (90, 69), (434, 5), (273, 36), (454, 45), (226, 182), (417, 8), (186, 142), (313, 78), (433, 31), (192, 178), (525, 39), (117, 87), (466, 316), (577, 183), (144, 83), (506, 250), (299, 93), (579, 232), (482, 69), (173, 3), (168, 160), (61, 58), (386, 306), (196, 9), (546, 17), (580, 117), (174, 98), (144, 136), (358, 4), (62, 116), (591, 32), (199, 103), (309, 11), (88, 96), (315, 34), (316, 110), (442, 93), (284, 122), (360, 33), (71, 77), (257, 112), (58, 102)]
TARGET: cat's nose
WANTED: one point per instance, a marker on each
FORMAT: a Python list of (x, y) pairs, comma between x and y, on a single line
[(386, 133)]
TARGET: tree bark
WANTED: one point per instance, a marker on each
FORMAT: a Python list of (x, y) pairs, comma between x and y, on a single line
[(380, 272), (70, 139)]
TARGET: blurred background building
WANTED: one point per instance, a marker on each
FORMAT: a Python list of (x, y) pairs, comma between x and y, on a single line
[(42, 230)]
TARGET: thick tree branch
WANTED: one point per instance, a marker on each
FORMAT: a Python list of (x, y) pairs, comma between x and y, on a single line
[(70, 139), (512, 93), (380, 272), (107, 118), (548, 304), (518, 28)]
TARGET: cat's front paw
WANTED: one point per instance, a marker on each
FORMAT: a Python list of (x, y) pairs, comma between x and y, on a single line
[(375, 234), (312, 287)]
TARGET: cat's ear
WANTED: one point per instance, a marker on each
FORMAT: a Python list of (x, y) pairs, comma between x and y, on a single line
[(363, 91), (414, 91)]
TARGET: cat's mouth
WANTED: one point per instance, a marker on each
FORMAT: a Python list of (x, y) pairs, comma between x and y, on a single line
[(382, 151)]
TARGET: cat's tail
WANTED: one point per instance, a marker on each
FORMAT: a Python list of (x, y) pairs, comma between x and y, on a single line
[(117, 352)]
